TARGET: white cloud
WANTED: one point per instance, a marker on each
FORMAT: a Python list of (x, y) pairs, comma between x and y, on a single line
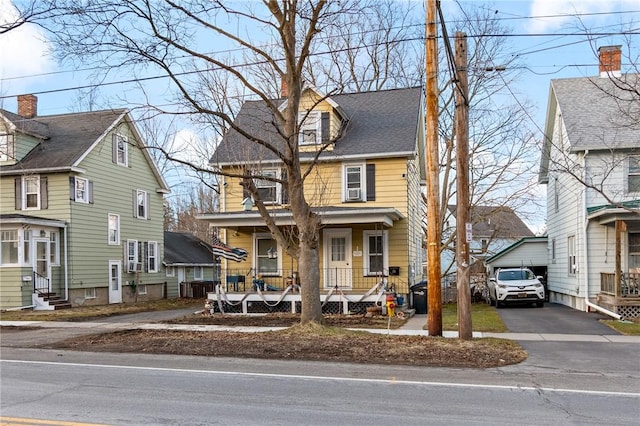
[(570, 9), (23, 50)]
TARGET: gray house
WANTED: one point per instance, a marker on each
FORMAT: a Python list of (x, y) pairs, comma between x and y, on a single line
[(190, 265), (81, 213)]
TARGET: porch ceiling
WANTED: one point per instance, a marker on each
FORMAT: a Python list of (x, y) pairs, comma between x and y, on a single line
[(30, 220), (328, 216), (609, 216)]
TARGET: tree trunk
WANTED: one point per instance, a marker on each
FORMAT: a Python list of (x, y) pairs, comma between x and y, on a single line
[(310, 283)]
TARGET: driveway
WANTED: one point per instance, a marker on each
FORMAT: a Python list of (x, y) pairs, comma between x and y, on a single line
[(553, 319)]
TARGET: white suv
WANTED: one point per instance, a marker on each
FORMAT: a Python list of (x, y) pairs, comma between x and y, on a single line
[(515, 285)]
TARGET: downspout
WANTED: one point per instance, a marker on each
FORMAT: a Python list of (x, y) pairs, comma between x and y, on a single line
[(586, 250), (66, 263)]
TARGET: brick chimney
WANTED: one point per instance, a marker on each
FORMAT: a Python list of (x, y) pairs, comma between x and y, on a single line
[(27, 106), (610, 61), (284, 89)]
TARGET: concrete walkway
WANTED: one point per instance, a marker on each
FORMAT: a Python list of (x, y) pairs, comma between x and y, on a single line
[(414, 326)]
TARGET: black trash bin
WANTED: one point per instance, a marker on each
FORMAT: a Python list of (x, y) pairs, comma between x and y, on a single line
[(419, 297)]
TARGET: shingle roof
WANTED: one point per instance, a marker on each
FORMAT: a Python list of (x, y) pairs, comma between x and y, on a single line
[(383, 122), (186, 248), (597, 113), (496, 222), (68, 137)]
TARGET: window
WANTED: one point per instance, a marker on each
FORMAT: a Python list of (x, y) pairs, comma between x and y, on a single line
[(170, 271), (354, 178), (553, 250), (54, 248), (133, 263), (268, 189), (9, 246), (634, 174), (6, 147), (90, 293), (114, 229), (634, 251), (26, 248), (81, 190), (140, 204), (571, 250), (359, 182), (375, 258), (120, 150), (266, 252), (31, 192), (310, 131), (142, 289), (197, 273), (31, 196), (152, 256)]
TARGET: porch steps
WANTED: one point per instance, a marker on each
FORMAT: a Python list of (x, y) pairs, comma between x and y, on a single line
[(55, 301)]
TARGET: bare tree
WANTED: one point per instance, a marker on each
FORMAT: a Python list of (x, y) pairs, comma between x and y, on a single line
[(177, 40), (501, 140)]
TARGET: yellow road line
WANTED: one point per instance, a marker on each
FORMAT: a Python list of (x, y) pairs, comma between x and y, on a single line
[(19, 421)]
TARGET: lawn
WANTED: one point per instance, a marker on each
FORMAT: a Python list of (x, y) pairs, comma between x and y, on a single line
[(630, 328), (483, 318)]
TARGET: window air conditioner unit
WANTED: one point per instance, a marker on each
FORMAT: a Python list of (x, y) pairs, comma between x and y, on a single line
[(353, 194), (135, 266)]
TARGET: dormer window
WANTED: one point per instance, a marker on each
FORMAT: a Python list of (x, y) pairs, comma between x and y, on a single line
[(314, 128), (6, 147), (310, 130)]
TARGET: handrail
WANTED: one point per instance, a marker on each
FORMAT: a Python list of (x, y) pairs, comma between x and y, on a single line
[(38, 281)]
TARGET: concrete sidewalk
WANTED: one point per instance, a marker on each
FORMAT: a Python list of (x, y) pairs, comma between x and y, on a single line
[(412, 327)]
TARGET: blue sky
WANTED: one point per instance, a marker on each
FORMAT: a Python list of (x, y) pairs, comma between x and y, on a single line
[(541, 39)]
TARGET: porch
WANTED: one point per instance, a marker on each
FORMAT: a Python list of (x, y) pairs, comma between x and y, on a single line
[(343, 291), (620, 293)]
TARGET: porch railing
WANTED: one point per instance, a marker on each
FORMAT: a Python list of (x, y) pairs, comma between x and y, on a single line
[(343, 278), (629, 284), (40, 283)]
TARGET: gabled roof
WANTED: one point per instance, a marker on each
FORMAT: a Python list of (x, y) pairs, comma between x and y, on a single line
[(527, 240), (597, 114), (183, 248), (67, 139), (383, 123), (496, 222)]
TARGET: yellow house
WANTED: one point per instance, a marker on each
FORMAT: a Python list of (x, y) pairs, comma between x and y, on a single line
[(365, 184)]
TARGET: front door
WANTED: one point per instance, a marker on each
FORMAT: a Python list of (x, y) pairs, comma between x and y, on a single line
[(41, 265), (337, 255), (181, 274), (115, 281)]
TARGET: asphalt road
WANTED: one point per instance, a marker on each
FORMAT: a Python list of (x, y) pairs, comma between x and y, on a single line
[(554, 319), (151, 389)]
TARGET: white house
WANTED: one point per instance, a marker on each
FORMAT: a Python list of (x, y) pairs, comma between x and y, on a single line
[(591, 165)]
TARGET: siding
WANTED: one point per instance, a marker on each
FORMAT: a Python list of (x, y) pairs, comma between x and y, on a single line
[(113, 185), (13, 291)]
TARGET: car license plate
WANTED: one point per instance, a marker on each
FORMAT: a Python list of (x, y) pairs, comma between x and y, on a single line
[(522, 295)]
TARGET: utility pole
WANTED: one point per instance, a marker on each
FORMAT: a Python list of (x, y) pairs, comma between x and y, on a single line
[(434, 290), (463, 224)]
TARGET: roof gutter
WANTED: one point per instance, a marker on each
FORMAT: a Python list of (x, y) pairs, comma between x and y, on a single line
[(43, 170)]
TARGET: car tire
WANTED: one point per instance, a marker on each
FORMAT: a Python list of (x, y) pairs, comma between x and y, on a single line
[(498, 304)]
